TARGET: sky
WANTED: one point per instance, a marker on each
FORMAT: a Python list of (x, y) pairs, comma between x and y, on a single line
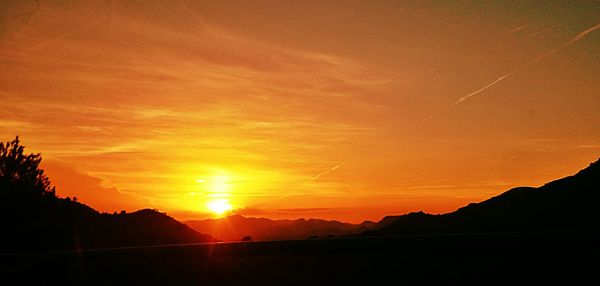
[(346, 110)]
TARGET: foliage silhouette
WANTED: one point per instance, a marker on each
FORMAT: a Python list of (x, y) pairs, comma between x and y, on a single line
[(21, 171)]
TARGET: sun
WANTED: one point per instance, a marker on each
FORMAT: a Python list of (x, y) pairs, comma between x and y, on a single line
[(217, 191), (219, 206)]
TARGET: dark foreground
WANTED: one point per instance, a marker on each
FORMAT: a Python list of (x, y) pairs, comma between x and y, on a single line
[(481, 258)]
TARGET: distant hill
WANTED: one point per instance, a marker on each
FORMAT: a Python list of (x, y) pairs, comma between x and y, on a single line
[(567, 204), (33, 218), (236, 227)]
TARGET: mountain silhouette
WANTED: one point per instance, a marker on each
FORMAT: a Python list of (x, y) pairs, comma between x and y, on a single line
[(237, 227), (567, 204), (34, 218)]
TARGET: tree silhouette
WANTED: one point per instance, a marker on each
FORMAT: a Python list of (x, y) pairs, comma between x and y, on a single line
[(20, 172)]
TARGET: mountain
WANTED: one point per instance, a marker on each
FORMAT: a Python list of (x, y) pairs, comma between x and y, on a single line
[(236, 227), (567, 204), (33, 218)]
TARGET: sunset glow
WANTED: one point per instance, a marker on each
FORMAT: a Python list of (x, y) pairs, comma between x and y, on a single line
[(219, 206), (346, 110), (217, 192)]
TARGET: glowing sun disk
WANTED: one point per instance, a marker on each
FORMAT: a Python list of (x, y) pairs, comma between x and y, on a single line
[(219, 206)]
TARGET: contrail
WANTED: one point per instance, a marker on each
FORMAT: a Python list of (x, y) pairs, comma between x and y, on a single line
[(516, 29), (324, 173), (535, 60), (314, 178), (486, 86)]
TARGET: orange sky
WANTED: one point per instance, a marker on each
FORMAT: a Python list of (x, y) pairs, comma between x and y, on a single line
[(346, 110)]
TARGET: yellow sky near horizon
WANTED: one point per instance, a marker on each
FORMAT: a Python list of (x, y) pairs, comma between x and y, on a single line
[(347, 110)]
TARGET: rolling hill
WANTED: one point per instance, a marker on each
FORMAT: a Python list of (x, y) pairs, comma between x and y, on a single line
[(567, 204), (62, 224)]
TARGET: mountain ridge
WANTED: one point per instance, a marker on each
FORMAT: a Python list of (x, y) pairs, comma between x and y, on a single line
[(563, 204), (235, 227)]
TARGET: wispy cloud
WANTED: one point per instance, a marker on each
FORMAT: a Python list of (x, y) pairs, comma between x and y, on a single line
[(588, 146)]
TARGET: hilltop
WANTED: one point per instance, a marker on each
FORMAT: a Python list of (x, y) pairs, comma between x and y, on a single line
[(567, 204)]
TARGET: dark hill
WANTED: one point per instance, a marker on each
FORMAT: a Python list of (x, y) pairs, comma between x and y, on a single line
[(56, 223), (33, 218), (567, 204)]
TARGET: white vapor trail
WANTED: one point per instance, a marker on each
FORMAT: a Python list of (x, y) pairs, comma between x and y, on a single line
[(516, 29), (315, 178), (324, 173), (486, 86), (535, 60)]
